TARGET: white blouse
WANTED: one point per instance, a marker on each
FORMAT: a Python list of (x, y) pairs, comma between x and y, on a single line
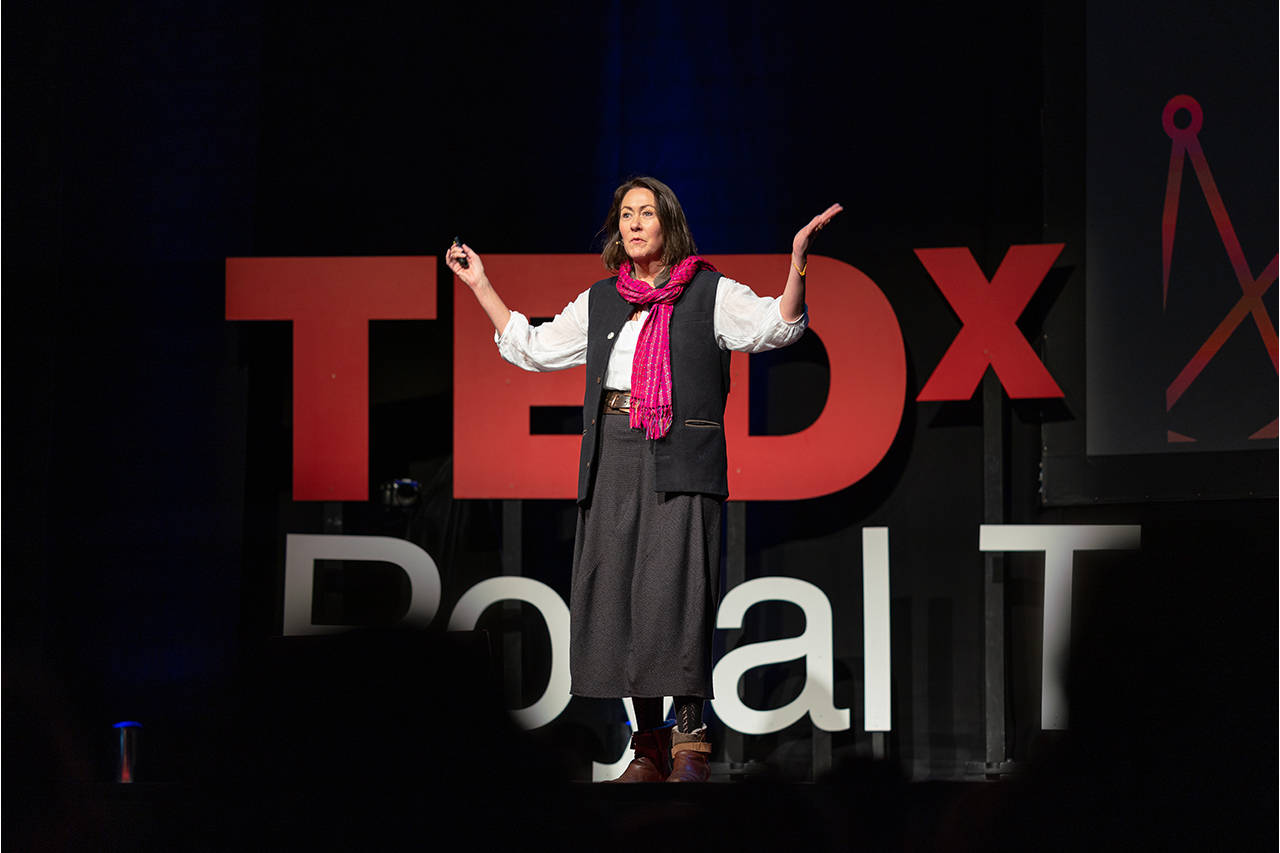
[(742, 321)]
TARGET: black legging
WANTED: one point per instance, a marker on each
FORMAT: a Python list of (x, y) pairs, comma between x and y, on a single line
[(688, 713)]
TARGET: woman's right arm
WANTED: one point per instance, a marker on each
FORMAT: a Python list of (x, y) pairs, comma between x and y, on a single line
[(472, 275), (555, 345)]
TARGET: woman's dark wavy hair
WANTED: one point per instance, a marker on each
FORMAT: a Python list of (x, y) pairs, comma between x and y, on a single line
[(677, 240)]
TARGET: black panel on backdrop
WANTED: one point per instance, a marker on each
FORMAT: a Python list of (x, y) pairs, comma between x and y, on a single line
[(1174, 364), (1171, 383)]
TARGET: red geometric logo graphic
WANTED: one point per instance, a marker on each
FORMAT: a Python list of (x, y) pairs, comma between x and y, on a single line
[(1186, 142)]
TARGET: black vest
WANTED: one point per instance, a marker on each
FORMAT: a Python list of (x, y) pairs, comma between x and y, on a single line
[(691, 457)]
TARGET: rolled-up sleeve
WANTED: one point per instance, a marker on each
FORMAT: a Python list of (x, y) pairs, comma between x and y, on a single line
[(749, 323), (555, 345)]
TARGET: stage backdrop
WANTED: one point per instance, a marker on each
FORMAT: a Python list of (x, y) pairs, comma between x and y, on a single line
[(246, 401)]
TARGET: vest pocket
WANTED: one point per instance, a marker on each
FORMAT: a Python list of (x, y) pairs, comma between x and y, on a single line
[(697, 422), (692, 317)]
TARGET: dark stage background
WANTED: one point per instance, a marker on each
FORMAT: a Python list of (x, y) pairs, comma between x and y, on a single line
[(147, 439)]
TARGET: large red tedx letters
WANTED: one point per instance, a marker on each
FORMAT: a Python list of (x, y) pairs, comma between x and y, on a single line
[(989, 312), (331, 301), (496, 457)]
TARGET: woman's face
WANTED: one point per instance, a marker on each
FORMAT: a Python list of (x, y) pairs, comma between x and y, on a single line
[(638, 226)]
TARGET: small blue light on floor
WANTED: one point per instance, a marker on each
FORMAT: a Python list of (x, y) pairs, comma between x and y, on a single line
[(128, 735)]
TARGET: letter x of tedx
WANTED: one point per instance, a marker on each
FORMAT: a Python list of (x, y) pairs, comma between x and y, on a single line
[(989, 311)]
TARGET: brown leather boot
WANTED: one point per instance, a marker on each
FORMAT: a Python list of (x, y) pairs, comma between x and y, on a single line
[(652, 761), (690, 752)]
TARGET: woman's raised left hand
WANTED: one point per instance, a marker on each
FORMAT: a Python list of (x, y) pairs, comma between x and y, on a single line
[(800, 245)]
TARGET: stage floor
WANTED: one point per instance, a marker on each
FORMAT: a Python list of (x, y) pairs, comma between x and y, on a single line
[(368, 815), (863, 808)]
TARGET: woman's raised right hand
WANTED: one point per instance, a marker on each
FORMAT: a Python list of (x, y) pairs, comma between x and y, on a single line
[(472, 275)]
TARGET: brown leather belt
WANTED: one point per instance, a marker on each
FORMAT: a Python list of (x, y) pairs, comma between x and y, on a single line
[(617, 402)]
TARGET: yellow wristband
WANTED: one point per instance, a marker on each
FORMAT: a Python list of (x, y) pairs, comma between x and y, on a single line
[(797, 269)]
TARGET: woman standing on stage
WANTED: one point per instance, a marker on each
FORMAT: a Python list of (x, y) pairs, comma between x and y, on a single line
[(653, 473)]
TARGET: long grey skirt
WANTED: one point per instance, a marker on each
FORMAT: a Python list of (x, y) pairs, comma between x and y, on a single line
[(646, 579)]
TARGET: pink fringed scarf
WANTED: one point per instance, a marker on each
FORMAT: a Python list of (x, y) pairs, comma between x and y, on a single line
[(651, 369)]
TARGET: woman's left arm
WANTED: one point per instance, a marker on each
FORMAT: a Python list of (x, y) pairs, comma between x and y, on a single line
[(792, 303)]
